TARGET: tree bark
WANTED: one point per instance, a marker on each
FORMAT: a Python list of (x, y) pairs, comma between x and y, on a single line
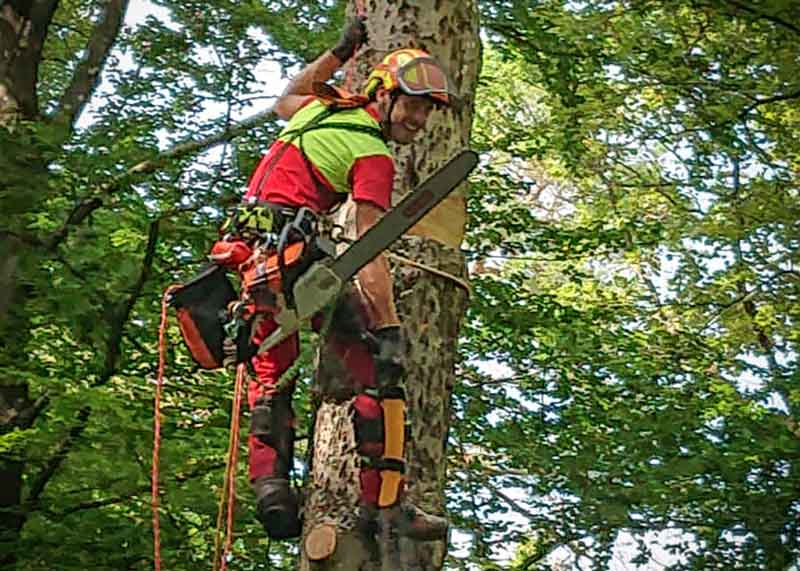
[(430, 304), (23, 30), (20, 50)]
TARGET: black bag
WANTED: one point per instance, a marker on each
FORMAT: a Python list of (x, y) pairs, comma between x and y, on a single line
[(202, 308)]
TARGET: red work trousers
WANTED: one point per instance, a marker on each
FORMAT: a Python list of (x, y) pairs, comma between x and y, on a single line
[(356, 359), (268, 366)]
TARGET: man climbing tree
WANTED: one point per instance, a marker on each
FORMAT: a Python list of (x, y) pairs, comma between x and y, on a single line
[(335, 145)]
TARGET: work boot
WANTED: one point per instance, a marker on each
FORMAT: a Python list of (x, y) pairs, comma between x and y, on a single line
[(415, 523), (407, 520), (277, 508)]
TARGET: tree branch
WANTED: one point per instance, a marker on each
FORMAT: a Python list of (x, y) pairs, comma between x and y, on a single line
[(26, 67), (114, 345), (87, 74), (769, 17), (179, 151), (767, 100), (113, 351), (122, 498), (58, 457), (28, 416), (766, 343)]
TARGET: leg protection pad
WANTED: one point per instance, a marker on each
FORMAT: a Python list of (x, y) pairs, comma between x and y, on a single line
[(380, 432), (368, 421), (272, 422), (393, 464)]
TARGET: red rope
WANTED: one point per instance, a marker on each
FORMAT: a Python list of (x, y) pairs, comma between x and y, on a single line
[(229, 485), (162, 357)]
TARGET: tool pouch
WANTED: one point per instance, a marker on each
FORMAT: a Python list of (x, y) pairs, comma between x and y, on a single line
[(263, 280), (202, 308)]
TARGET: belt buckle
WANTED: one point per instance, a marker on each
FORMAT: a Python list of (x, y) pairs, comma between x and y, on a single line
[(305, 215)]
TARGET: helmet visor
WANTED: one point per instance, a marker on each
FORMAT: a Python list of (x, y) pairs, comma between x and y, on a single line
[(422, 76)]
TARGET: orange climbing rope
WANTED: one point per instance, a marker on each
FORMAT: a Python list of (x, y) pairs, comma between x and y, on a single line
[(228, 494), (162, 357)]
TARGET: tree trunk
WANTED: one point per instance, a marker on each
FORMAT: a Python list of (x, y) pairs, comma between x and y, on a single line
[(17, 100), (430, 304), (23, 185)]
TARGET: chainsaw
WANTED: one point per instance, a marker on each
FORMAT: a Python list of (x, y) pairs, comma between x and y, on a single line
[(320, 285), (209, 310)]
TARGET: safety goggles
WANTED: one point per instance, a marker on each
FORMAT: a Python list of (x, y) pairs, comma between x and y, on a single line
[(423, 76)]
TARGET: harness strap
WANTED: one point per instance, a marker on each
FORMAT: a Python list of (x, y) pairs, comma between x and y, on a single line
[(390, 464), (374, 131), (326, 113)]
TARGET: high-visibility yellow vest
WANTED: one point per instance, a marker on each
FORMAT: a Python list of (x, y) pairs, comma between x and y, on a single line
[(335, 141)]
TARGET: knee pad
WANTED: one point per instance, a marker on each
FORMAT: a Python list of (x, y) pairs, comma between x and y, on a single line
[(393, 462), (368, 421), (381, 434)]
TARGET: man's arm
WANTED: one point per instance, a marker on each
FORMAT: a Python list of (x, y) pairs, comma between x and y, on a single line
[(321, 69), (299, 88), (375, 278)]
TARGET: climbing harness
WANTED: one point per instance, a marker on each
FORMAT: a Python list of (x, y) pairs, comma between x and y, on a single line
[(270, 246)]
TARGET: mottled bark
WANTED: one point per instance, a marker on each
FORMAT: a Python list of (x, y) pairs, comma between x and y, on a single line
[(431, 306)]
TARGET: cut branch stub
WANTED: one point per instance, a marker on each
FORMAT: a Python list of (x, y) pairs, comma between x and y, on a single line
[(321, 542)]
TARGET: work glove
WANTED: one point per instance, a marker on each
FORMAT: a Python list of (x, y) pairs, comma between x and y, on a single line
[(353, 35), (388, 351)]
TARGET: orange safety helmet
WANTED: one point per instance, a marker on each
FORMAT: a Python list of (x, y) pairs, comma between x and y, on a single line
[(413, 72)]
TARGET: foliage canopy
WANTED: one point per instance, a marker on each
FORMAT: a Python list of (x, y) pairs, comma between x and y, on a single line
[(629, 362)]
